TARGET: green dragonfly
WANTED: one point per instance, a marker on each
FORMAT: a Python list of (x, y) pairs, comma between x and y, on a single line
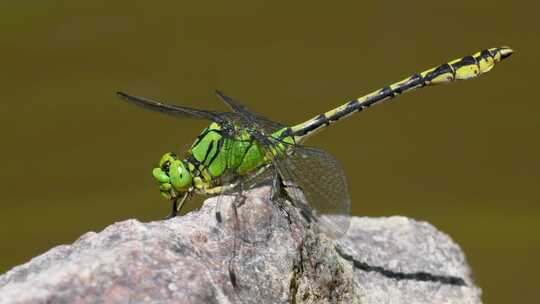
[(239, 147)]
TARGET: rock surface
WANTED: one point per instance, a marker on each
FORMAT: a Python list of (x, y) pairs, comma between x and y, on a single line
[(270, 257)]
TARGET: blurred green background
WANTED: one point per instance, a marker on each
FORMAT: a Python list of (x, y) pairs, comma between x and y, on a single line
[(464, 156)]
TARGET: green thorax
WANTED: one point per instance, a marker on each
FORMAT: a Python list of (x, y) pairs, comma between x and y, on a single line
[(214, 155)]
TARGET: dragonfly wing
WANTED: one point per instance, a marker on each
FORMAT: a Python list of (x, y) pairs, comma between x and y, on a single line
[(173, 110), (249, 118), (317, 185)]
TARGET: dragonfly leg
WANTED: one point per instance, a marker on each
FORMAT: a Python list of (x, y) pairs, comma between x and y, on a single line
[(277, 187), (293, 192), (238, 201), (174, 210), (232, 274), (176, 206), (219, 190), (229, 188), (218, 215), (277, 195)]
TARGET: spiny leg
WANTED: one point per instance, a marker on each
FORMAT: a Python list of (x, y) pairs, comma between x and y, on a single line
[(176, 206), (218, 210), (174, 210), (220, 190), (238, 201), (293, 192), (219, 219), (278, 194)]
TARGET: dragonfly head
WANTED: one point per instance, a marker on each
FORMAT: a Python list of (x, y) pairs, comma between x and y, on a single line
[(172, 176)]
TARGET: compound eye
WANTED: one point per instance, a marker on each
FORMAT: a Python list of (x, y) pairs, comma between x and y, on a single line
[(180, 172), (166, 167)]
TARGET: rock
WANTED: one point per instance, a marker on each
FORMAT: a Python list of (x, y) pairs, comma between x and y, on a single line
[(267, 255)]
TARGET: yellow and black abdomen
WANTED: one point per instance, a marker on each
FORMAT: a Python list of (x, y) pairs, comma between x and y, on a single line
[(460, 69)]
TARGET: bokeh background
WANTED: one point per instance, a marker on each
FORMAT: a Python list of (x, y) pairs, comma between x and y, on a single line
[(464, 157)]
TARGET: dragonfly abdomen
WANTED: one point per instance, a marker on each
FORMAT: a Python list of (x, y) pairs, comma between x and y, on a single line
[(460, 69)]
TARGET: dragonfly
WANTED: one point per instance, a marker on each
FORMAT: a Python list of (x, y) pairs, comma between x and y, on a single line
[(240, 146)]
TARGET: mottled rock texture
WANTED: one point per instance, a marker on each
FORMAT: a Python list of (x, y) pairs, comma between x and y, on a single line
[(271, 258)]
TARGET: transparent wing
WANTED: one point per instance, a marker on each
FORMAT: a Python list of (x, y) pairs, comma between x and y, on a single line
[(317, 185), (316, 181), (248, 118), (173, 110)]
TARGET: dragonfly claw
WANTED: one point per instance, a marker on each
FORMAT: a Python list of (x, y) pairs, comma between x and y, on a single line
[(174, 211), (170, 216)]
